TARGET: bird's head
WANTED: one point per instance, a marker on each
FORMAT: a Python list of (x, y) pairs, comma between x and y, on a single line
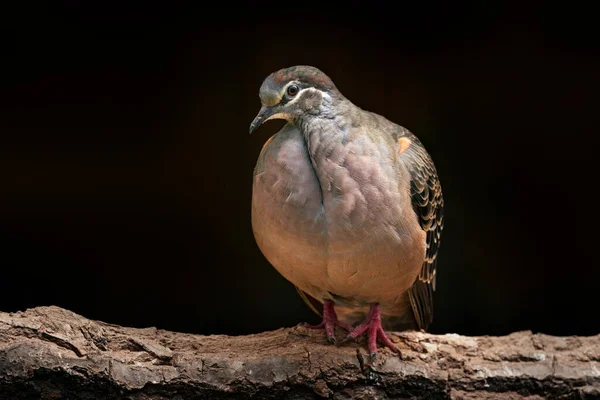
[(292, 92)]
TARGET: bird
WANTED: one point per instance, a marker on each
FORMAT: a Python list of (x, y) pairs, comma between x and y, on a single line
[(348, 207)]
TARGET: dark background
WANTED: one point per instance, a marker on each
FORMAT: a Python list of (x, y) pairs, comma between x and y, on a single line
[(126, 166)]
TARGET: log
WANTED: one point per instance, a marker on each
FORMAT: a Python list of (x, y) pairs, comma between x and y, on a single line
[(52, 353)]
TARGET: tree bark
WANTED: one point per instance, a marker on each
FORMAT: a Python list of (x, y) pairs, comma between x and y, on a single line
[(52, 353)]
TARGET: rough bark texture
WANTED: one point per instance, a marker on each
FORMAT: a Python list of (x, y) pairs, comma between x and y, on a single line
[(51, 353)]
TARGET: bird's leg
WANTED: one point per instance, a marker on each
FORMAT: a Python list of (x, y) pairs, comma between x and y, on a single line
[(372, 325), (329, 322)]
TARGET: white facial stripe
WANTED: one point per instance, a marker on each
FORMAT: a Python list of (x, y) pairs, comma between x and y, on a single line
[(311, 90)]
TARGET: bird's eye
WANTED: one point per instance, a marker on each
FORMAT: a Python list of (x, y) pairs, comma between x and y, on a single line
[(292, 90)]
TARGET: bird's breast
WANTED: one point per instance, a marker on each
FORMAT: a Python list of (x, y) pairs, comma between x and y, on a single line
[(336, 220), (363, 194), (288, 218)]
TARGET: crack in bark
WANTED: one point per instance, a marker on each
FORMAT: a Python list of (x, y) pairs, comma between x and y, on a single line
[(63, 342), (308, 358), (361, 361)]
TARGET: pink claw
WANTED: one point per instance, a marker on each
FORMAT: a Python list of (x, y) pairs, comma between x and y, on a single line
[(329, 322), (372, 325)]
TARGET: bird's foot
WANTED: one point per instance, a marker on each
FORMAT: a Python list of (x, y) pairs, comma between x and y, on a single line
[(372, 326), (329, 322)]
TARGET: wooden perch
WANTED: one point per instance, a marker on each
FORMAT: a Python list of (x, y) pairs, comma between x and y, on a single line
[(51, 353)]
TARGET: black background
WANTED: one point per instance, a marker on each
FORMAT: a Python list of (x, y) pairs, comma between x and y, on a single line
[(126, 166)]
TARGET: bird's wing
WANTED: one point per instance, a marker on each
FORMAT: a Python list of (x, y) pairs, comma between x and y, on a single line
[(428, 203)]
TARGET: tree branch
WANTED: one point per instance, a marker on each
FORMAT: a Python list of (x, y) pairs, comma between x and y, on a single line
[(51, 353)]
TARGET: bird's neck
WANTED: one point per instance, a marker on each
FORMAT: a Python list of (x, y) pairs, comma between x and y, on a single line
[(326, 131)]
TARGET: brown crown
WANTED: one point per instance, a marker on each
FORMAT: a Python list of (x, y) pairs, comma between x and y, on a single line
[(303, 73)]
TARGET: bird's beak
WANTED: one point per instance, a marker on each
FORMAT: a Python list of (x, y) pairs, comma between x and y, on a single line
[(263, 115)]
